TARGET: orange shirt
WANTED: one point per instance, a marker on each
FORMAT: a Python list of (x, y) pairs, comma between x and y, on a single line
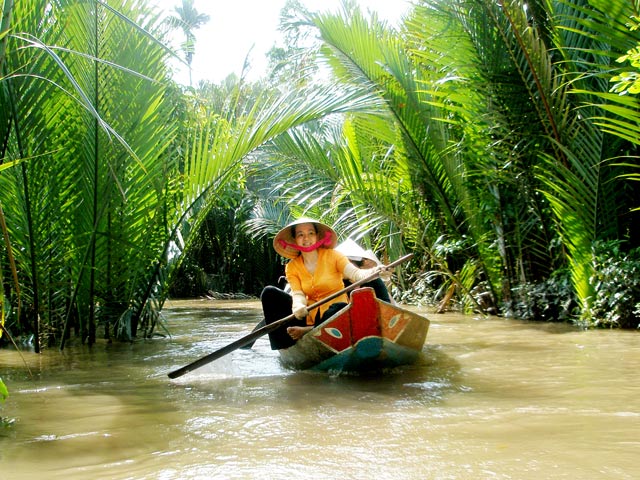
[(326, 280)]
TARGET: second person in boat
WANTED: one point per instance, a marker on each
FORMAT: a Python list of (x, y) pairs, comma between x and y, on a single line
[(314, 272)]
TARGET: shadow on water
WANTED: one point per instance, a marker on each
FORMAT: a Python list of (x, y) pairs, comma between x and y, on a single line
[(433, 376), (425, 383)]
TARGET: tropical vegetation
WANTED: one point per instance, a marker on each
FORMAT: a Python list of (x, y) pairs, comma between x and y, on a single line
[(497, 140), (502, 161)]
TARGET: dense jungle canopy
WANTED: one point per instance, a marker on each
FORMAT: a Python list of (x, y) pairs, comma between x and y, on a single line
[(497, 140)]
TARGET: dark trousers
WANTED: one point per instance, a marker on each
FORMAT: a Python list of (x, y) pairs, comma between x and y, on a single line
[(276, 305)]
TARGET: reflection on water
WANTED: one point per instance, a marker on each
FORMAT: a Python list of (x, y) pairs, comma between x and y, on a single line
[(489, 398)]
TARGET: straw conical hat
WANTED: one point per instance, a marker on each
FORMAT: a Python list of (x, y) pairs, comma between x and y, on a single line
[(286, 237)]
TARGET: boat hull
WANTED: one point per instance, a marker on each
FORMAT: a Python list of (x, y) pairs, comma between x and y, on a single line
[(368, 334)]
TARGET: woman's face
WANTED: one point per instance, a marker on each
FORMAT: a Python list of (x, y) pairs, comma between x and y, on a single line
[(306, 234)]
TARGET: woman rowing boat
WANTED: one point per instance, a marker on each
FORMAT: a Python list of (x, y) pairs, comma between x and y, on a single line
[(315, 271)]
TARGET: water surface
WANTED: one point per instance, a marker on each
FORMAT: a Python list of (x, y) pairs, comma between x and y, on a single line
[(490, 398)]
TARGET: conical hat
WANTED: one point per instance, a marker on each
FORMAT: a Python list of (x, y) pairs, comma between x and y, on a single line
[(286, 236), (355, 252)]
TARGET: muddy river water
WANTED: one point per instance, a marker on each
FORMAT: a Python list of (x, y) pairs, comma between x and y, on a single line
[(490, 398)]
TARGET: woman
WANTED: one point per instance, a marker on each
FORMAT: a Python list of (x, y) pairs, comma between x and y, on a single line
[(366, 259), (314, 272)]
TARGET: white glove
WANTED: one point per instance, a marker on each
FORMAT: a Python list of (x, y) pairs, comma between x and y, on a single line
[(299, 305), (300, 312)]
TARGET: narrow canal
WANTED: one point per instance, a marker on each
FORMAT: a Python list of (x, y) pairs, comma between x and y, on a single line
[(490, 398)]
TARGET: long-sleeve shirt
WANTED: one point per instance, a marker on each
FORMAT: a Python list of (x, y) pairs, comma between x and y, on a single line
[(326, 280)]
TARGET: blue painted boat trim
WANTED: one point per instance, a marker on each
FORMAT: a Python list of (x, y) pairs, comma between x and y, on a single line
[(370, 353)]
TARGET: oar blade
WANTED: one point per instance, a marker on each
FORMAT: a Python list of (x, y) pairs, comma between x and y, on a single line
[(235, 345)]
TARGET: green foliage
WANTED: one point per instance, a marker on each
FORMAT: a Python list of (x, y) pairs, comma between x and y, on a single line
[(616, 281), (4, 392), (226, 257), (486, 132), (616, 286), (629, 81), (552, 300), (470, 136), (86, 210), (116, 179)]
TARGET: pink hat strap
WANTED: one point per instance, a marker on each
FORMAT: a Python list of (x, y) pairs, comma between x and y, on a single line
[(320, 243)]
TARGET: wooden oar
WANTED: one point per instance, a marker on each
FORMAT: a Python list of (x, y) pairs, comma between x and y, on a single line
[(257, 333), (249, 345)]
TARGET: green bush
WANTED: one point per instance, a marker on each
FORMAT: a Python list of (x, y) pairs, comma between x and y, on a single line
[(617, 285), (553, 300)]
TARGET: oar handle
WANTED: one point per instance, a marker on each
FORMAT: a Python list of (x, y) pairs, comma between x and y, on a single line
[(274, 325)]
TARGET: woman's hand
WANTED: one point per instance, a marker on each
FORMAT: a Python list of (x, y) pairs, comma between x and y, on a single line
[(300, 311), (299, 305)]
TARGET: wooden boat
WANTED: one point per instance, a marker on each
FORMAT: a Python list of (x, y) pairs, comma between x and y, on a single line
[(367, 335)]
